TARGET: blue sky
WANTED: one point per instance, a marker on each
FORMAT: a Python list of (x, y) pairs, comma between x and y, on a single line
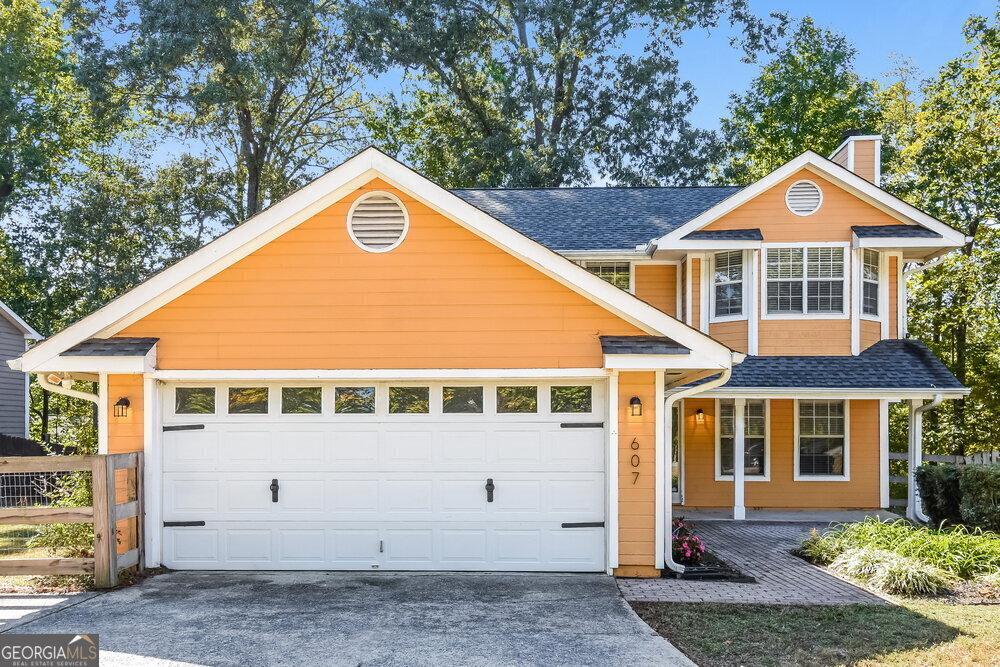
[(927, 31)]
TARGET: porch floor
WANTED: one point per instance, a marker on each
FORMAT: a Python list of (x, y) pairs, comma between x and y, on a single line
[(762, 551), (788, 516)]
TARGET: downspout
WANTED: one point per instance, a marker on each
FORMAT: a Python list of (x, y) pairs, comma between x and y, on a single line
[(43, 382), (668, 427), (915, 506)]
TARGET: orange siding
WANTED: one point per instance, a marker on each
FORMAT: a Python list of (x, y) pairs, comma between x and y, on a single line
[(445, 298), (125, 434), (840, 157), (637, 494), (871, 333), (782, 492), (864, 160), (682, 316), (804, 337), (893, 297), (832, 222), (733, 334), (695, 292), (656, 284)]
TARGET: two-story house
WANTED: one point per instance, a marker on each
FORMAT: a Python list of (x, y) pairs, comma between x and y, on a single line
[(15, 334), (378, 373)]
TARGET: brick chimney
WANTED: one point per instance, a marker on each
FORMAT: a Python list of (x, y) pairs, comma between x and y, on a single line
[(862, 154)]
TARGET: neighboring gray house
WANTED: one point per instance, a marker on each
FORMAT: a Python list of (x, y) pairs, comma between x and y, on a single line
[(14, 336)]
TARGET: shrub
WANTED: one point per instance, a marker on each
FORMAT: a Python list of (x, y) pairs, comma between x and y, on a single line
[(892, 573), (980, 496), (940, 493), (819, 548)]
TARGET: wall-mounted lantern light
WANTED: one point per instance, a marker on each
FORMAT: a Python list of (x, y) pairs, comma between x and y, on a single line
[(699, 415), (636, 406), (121, 407)]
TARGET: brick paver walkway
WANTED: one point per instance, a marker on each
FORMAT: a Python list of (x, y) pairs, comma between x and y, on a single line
[(762, 551)]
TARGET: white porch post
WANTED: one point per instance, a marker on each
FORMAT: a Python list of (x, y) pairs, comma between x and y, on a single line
[(739, 447)]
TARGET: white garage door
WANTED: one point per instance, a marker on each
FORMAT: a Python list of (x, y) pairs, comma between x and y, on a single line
[(385, 476)]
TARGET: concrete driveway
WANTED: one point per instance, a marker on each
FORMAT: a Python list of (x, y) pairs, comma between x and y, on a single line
[(285, 618)]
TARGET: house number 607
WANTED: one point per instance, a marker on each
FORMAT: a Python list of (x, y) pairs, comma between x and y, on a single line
[(635, 460)]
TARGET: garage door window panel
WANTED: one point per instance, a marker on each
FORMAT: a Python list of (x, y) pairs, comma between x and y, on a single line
[(301, 400), (517, 400), (248, 400), (409, 400), (462, 400), (194, 401), (571, 399), (354, 400)]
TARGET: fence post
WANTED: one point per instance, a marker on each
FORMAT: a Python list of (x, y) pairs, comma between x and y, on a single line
[(105, 547)]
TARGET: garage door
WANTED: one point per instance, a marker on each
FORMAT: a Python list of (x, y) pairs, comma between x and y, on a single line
[(385, 476)]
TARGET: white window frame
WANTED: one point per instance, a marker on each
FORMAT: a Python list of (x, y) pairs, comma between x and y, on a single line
[(846, 477), (631, 270), (744, 294), (766, 477), (882, 304), (848, 273), (814, 184)]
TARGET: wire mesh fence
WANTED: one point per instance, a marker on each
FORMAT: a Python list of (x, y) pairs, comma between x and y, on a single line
[(36, 489)]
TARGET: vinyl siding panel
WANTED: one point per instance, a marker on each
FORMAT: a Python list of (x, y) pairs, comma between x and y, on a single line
[(12, 407), (656, 284), (893, 297), (445, 298), (695, 292), (125, 434), (794, 337), (871, 333), (733, 334), (864, 160), (637, 494), (783, 492)]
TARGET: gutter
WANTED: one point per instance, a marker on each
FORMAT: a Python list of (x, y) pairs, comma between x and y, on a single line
[(668, 552), (915, 505), (43, 382)]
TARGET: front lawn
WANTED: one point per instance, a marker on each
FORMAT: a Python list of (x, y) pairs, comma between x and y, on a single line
[(918, 632)]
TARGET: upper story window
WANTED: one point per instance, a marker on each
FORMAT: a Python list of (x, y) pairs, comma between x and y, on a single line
[(728, 284), (617, 273), (869, 282), (805, 280)]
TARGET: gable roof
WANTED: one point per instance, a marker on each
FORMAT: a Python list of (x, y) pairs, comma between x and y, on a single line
[(568, 219), (333, 186), (16, 320), (833, 172), (112, 347)]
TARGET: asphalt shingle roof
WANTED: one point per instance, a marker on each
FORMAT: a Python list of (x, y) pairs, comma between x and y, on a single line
[(725, 235), (888, 364), (112, 347), (595, 218), (641, 345), (894, 231)]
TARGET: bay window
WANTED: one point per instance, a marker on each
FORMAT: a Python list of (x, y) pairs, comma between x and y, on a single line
[(805, 280)]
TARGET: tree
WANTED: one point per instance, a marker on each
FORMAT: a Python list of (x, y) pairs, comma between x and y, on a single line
[(804, 99), (45, 111), (266, 86), (948, 166), (544, 92)]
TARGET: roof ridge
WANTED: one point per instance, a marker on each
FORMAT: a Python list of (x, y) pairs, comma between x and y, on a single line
[(598, 187)]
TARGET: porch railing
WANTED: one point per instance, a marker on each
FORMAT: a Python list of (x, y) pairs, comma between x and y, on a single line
[(104, 513)]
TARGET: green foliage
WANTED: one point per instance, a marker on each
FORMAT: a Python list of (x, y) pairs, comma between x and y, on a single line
[(891, 573), (958, 551), (940, 494), (804, 99), (980, 502), (541, 92)]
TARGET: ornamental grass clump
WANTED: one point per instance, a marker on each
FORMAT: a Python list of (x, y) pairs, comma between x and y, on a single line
[(889, 572)]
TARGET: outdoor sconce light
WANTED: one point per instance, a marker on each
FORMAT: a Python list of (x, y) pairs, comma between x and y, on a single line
[(699, 415), (636, 405), (121, 407)]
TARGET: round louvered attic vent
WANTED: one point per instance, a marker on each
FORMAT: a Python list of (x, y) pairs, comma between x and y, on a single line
[(377, 222), (804, 198)]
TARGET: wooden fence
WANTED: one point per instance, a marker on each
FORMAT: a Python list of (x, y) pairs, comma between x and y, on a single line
[(980, 458), (104, 514)]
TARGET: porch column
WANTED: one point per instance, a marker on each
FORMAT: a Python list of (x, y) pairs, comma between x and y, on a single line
[(739, 447)]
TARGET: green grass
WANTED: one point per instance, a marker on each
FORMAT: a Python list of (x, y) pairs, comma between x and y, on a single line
[(918, 632), (14, 543)]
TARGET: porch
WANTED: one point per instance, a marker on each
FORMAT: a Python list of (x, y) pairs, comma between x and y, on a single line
[(811, 517)]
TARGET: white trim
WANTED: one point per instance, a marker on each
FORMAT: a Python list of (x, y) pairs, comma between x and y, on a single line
[(109, 364), (703, 278), (688, 292), (678, 292), (15, 319), (612, 466), (799, 182), (766, 477), (660, 487), (828, 170), (382, 374), (753, 309), (103, 404), (884, 243), (846, 477), (833, 393), (330, 188), (848, 264), (856, 137), (626, 362), (883, 453), (883, 295), (744, 285), (851, 164), (679, 406), (739, 446), (350, 219), (606, 255), (152, 466), (854, 271), (901, 297)]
